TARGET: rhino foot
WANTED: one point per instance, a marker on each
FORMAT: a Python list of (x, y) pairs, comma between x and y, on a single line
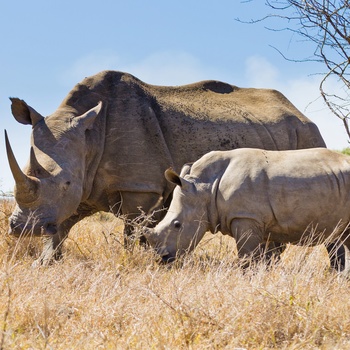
[(51, 252), (46, 260), (339, 256)]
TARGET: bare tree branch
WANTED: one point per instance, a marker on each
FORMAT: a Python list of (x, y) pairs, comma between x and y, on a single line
[(326, 24)]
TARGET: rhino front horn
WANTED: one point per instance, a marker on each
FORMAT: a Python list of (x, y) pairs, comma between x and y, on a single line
[(26, 186)]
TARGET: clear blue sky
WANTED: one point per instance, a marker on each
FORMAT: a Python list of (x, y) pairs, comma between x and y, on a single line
[(49, 46)]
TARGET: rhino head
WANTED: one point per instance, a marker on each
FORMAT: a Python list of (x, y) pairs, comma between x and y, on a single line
[(186, 220), (50, 187)]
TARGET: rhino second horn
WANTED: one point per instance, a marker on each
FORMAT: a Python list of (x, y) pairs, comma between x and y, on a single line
[(26, 187), (35, 166)]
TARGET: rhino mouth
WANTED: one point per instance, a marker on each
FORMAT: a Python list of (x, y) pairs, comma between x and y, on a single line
[(24, 230)]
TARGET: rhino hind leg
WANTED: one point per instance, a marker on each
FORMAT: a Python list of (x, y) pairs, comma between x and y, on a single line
[(339, 256), (272, 251)]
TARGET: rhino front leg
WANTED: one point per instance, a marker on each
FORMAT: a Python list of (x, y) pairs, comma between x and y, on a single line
[(52, 245), (52, 250), (132, 204), (131, 235), (248, 240), (132, 232)]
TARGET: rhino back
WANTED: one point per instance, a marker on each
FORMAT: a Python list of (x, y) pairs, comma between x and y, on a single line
[(258, 118), (286, 191), (212, 112)]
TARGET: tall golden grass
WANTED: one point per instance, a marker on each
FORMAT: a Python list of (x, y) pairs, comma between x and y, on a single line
[(101, 296)]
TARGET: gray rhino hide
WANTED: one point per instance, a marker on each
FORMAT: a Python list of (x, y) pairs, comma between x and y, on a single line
[(112, 156)]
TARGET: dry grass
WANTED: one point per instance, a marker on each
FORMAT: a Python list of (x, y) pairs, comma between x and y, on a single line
[(103, 297)]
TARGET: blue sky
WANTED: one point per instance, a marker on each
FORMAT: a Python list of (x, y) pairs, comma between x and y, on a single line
[(47, 47)]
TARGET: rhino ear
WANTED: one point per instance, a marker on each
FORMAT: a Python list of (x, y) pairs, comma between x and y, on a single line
[(176, 179), (87, 119), (172, 177), (186, 168), (23, 113)]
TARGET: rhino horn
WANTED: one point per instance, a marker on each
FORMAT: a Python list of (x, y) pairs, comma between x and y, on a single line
[(17, 173), (149, 234), (26, 186)]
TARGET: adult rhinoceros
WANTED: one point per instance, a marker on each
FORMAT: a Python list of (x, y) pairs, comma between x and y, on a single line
[(108, 144), (258, 196)]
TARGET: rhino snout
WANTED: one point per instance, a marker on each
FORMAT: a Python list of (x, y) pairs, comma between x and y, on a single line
[(150, 235), (17, 230), (158, 244)]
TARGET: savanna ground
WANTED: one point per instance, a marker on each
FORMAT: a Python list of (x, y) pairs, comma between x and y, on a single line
[(101, 296)]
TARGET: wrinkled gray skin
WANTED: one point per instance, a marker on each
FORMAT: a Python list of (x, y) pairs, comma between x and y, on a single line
[(257, 196), (108, 144)]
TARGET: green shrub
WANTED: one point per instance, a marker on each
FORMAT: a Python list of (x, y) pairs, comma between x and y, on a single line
[(346, 151)]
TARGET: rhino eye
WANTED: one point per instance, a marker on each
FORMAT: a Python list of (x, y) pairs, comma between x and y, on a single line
[(177, 224)]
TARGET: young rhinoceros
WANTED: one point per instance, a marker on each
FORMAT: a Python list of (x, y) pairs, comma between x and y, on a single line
[(256, 196)]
